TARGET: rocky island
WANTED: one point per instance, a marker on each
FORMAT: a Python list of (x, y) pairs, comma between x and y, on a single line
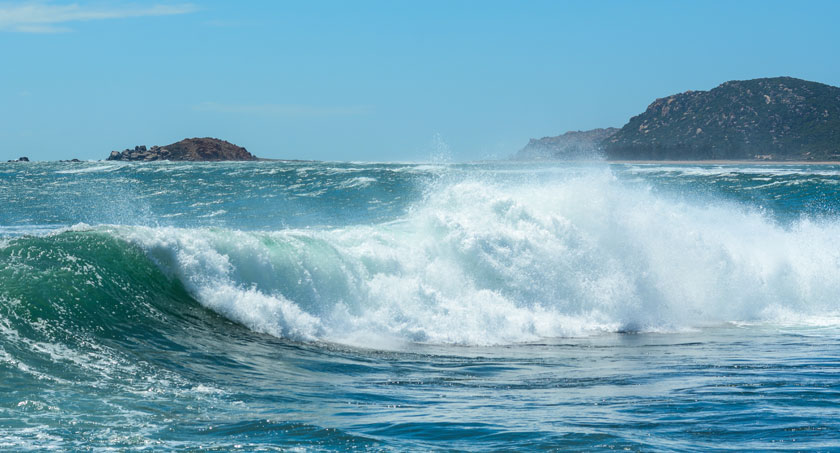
[(190, 149), (773, 119)]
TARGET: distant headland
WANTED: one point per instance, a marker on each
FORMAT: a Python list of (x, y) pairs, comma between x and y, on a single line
[(571, 145), (770, 119), (190, 149)]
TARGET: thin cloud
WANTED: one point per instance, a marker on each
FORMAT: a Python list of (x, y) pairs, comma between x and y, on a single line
[(51, 18), (290, 110)]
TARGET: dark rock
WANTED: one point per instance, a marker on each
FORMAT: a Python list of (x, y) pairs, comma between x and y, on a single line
[(19, 159), (191, 149), (778, 118)]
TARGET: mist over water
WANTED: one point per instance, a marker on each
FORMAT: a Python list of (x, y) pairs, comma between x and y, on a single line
[(372, 289)]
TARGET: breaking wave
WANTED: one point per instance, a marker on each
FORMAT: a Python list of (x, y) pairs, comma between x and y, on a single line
[(478, 262)]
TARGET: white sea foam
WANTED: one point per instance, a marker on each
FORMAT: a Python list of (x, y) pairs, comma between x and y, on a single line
[(215, 213), (357, 183), (732, 169), (95, 169), (480, 262)]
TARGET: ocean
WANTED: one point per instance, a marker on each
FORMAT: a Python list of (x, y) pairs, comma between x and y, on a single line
[(490, 306)]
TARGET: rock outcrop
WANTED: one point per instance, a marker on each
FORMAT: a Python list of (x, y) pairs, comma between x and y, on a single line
[(19, 159), (190, 149), (778, 118), (571, 145)]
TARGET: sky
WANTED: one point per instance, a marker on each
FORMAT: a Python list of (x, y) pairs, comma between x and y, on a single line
[(363, 80)]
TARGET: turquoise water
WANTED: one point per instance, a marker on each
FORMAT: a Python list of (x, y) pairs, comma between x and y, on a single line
[(353, 306)]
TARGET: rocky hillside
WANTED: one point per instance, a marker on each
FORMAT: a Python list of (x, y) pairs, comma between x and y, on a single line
[(778, 118), (191, 149), (571, 145)]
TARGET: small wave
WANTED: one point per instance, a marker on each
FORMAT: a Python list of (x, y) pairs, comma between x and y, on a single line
[(30, 230), (96, 169), (357, 183), (214, 213)]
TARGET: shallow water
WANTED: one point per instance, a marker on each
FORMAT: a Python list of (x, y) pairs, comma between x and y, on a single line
[(333, 306)]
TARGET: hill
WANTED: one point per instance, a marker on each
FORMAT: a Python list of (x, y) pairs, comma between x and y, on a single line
[(780, 118)]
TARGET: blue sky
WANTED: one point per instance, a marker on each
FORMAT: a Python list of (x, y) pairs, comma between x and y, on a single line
[(381, 81)]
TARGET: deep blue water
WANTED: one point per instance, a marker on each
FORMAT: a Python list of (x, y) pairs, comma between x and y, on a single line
[(354, 306)]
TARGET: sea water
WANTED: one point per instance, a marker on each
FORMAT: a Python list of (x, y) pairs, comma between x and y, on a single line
[(359, 306)]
